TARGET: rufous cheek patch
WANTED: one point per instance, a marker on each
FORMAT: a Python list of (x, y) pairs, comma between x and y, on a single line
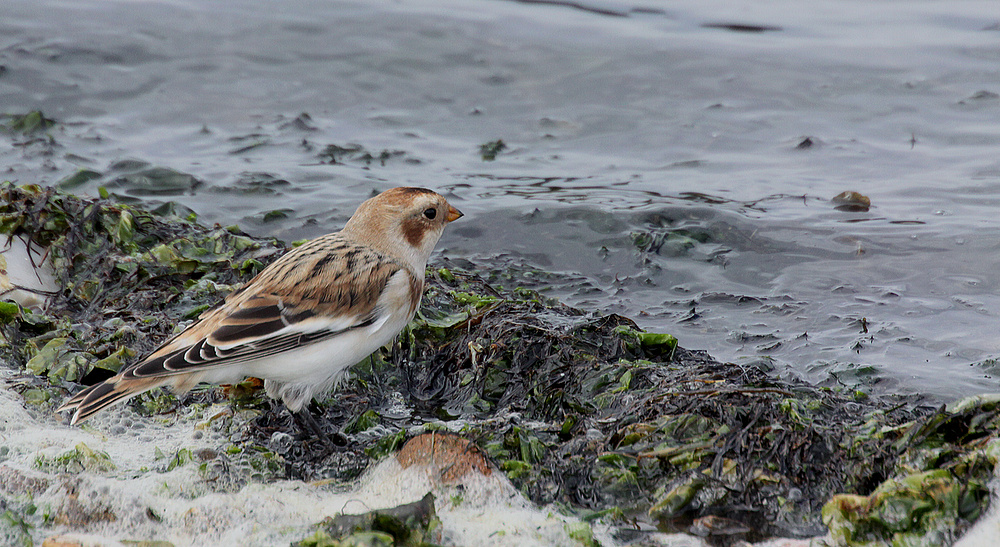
[(413, 231)]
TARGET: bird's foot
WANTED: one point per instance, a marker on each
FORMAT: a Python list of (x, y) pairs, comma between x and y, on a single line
[(309, 426)]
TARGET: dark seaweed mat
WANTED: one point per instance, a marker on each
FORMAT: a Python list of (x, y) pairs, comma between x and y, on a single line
[(575, 408), (544, 397)]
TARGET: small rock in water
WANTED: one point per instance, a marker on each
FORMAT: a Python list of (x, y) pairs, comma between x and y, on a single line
[(851, 201)]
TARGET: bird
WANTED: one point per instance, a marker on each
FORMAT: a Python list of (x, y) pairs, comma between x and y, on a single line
[(307, 317)]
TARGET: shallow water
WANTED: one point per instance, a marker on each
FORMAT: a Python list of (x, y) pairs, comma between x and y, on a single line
[(654, 163), (672, 162)]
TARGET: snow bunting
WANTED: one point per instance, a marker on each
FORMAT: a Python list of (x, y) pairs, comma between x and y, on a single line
[(306, 318)]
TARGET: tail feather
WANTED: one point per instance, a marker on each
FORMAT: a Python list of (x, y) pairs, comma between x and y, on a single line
[(113, 390)]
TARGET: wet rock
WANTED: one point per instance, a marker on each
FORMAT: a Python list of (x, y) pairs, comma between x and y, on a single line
[(78, 513), (712, 526), (16, 481), (851, 201), (410, 524), (805, 143), (449, 457)]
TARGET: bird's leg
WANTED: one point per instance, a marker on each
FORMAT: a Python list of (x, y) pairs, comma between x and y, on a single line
[(308, 423)]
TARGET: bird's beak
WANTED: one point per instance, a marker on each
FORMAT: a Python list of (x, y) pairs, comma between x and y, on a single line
[(453, 214)]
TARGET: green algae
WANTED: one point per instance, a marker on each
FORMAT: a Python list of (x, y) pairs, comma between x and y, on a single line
[(9, 311), (154, 181), (674, 435), (939, 486), (78, 459), (488, 151), (57, 360), (181, 457), (362, 422), (386, 445), (582, 533), (26, 124)]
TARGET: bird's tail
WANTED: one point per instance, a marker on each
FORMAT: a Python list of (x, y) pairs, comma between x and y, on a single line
[(97, 397)]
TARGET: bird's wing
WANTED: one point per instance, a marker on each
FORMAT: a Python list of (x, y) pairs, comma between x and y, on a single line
[(298, 302)]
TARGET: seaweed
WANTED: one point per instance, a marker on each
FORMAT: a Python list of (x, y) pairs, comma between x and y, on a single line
[(579, 409), (335, 154), (125, 278), (488, 151), (590, 412), (26, 124)]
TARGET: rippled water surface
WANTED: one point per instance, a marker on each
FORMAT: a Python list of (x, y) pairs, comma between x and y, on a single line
[(670, 161)]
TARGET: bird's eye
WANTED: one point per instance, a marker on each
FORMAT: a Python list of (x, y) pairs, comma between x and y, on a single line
[(431, 213)]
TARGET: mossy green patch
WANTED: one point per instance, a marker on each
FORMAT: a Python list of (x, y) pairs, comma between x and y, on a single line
[(58, 360), (80, 458), (9, 311), (386, 445)]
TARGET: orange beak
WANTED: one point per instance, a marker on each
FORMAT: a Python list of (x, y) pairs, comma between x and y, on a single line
[(453, 214)]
